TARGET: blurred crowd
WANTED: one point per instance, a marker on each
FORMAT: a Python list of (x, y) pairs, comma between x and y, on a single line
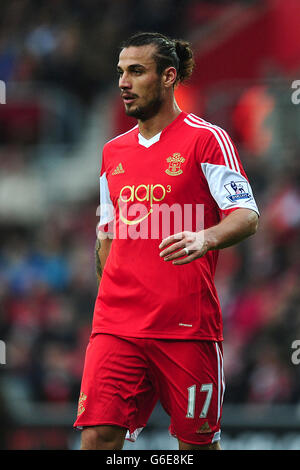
[(260, 283), (47, 277), (73, 43)]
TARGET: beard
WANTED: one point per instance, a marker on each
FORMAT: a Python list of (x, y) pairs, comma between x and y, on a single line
[(149, 110)]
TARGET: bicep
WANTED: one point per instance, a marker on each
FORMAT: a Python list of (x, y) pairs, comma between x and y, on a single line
[(244, 219)]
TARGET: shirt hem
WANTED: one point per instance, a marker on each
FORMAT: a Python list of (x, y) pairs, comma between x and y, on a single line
[(158, 335)]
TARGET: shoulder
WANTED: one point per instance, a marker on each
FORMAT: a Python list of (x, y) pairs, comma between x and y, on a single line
[(204, 130), (121, 139), (215, 144)]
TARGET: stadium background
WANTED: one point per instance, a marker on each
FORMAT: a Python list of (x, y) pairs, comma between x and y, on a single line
[(57, 59)]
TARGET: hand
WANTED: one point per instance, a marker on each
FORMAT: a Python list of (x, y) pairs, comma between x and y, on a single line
[(191, 245)]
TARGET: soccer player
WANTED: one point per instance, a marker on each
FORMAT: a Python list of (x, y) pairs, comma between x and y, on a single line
[(173, 192)]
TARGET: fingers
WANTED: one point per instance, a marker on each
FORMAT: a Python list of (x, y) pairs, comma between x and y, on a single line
[(171, 239), (175, 246), (176, 255), (172, 248), (187, 259), (179, 254), (182, 248)]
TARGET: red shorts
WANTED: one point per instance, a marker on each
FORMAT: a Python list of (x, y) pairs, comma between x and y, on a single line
[(124, 378)]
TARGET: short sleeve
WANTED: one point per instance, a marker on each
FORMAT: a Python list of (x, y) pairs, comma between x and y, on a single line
[(225, 176), (106, 208)]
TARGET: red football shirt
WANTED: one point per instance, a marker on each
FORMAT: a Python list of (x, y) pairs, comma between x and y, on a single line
[(184, 178)]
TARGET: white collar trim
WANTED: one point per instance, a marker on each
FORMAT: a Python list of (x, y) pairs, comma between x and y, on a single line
[(148, 142)]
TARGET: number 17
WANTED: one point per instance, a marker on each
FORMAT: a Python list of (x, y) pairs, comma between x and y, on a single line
[(208, 388)]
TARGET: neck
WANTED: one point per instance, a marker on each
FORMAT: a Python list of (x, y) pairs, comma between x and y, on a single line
[(157, 123)]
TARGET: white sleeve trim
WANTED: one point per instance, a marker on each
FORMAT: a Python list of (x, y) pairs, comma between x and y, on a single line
[(229, 188), (106, 205)]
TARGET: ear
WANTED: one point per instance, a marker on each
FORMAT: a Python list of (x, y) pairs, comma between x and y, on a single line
[(169, 77)]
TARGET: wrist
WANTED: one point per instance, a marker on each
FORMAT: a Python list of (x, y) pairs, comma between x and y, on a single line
[(210, 239)]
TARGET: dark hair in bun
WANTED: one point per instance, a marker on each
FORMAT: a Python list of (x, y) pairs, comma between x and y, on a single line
[(186, 59), (169, 53)]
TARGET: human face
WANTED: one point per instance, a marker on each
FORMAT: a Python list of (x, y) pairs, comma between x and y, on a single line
[(140, 85)]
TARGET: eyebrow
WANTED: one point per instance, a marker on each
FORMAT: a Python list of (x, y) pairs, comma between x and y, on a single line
[(132, 67)]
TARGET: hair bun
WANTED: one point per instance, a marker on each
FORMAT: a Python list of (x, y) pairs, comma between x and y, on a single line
[(186, 60)]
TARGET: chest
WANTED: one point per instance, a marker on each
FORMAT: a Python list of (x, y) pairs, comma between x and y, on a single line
[(163, 172)]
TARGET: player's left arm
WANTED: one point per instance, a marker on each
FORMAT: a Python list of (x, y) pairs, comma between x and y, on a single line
[(235, 227)]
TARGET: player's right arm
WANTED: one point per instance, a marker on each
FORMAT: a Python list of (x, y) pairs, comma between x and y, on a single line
[(102, 250), (105, 226)]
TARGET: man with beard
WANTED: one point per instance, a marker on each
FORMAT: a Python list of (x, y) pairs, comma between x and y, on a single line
[(157, 326)]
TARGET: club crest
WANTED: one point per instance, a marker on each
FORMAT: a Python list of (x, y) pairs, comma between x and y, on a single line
[(175, 162)]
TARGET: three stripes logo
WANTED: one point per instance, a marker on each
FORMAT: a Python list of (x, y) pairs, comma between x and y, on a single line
[(118, 170)]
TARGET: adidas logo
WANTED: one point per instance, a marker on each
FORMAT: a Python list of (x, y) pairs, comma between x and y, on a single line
[(204, 428), (118, 170)]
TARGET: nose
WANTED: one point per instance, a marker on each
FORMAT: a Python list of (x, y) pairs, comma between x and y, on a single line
[(124, 82)]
